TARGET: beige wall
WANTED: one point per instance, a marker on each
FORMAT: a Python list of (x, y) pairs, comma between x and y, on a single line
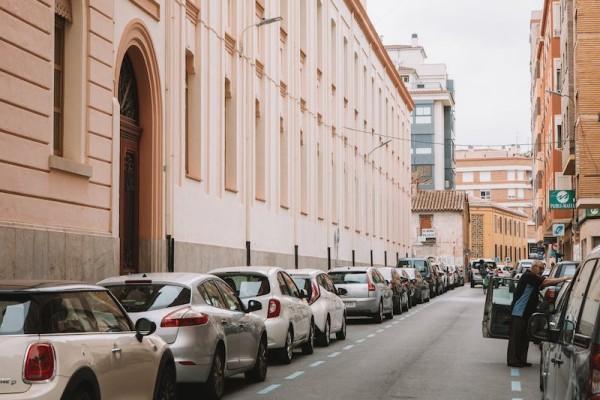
[(317, 90)]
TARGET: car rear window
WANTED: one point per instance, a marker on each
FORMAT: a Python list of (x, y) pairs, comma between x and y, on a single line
[(567, 270), (247, 285), (142, 297), (63, 312), (404, 263), (348, 277), (303, 282)]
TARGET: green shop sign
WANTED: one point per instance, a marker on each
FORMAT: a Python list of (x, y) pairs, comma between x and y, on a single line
[(562, 199), (592, 212)]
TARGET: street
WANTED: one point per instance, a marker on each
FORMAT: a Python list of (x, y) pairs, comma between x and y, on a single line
[(435, 351)]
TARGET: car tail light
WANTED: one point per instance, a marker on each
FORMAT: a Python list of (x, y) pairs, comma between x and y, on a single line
[(39, 363), (274, 308), (371, 285), (550, 295), (315, 293), (595, 373), (183, 317)]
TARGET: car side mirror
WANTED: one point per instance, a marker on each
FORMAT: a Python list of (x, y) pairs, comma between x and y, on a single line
[(144, 327), (539, 328), (253, 305), (303, 294), (341, 291)]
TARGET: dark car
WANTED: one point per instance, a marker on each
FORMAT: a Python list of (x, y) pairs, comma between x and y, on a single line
[(564, 268), (420, 288), (394, 280), (425, 270), (573, 371)]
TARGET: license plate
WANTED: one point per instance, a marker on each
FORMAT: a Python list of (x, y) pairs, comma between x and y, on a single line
[(350, 305)]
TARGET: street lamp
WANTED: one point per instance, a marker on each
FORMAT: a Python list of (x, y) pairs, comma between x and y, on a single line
[(377, 147), (262, 22), (557, 93)]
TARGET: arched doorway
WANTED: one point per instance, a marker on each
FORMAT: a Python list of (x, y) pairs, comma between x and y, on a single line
[(129, 191), (141, 192)]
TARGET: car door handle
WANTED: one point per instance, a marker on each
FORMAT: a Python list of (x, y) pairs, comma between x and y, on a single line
[(556, 362), (116, 350)]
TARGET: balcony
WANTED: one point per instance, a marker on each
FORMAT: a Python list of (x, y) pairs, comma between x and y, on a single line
[(568, 156), (427, 236)]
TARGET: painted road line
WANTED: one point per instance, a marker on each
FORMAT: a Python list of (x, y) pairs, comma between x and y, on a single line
[(515, 372), (395, 322), (360, 340), (348, 347), (294, 375), (316, 364), (515, 386), (268, 389), (337, 353), (379, 330), (371, 335), (388, 326)]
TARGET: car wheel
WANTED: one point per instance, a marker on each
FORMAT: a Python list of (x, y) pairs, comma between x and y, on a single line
[(325, 337), (379, 316), (407, 304), (309, 347), (472, 284), (259, 372), (80, 394), (341, 335), (286, 354), (215, 386), (166, 386)]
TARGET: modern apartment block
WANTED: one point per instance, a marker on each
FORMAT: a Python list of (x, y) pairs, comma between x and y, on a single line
[(500, 175), (433, 135), (185, 135)]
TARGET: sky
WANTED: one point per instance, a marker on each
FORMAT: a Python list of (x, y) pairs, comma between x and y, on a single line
[(485, 45)]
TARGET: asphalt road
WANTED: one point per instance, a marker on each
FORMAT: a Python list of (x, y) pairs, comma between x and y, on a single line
[(433, 352)]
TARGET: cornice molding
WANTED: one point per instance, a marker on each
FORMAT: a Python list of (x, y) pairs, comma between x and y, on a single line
[(229, 43), (150, 7), (192, 11)]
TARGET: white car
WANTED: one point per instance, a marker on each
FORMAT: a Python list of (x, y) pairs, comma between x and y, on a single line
[(287, 315), (328, 309), (524, 265), (61, 340)]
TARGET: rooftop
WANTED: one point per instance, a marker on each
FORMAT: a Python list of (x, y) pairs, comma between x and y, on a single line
[(440, 200)]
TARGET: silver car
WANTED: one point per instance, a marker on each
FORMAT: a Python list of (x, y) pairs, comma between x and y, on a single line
[(286, 313), (367, 293), (211, 333), (63, 340)]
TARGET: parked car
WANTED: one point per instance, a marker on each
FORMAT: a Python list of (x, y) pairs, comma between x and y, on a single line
[(61, 340), (564, 268), (327, 307), (451, 273), (524, 265), (574, 365), (425, 270), (285, 310), (394, 280), (461, 275), (367, 294), (420, 288), (477, 268), (442, 278), (211, 333), (504, 271)]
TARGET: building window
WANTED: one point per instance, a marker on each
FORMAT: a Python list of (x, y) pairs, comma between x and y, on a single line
[(59, 65), (559, 136), (405, 78), (425, 222), (520, 175), (512, 194), (423, 115), (230, 140), (420, 86), (320, 189), (423, 150), (283, 165), (485, 176), (303, 175), (485, 194), (422, 175), (467, 177), (259, 153), (510, 175)]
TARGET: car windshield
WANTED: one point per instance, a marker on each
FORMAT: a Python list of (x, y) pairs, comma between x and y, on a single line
[(62, 312), (149, 297), (566, 270), (404, 263), (421, 265), (348, 277), (247, 285)]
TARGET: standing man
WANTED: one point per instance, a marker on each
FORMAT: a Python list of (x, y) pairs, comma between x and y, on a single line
[(524, 304)]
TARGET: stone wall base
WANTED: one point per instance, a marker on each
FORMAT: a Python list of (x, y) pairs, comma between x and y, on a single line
[(44, 254)]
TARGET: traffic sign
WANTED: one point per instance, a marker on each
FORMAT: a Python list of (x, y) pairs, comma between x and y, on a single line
[(558, 230)]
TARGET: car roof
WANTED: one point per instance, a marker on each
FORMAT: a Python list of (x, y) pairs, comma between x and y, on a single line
[(306, 271), (182, 278), (265, 270), (45, 286), (358, 269)]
